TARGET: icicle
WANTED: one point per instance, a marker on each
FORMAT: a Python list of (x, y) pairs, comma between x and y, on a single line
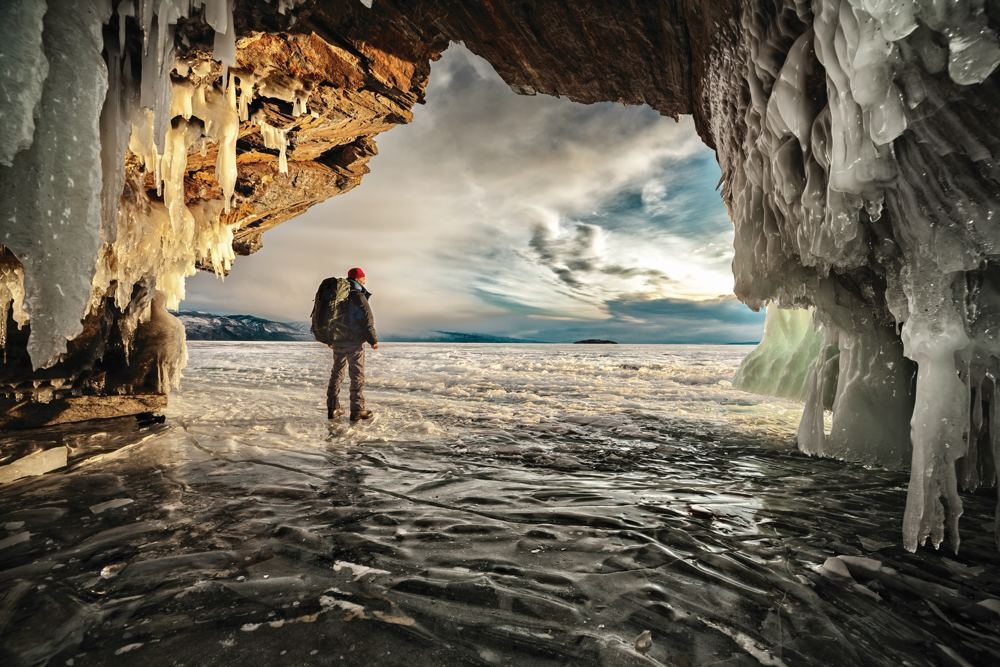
[(274, 138), (287, 90), (125, 9), (246, 93), (221, 19), (120, 106), (227, 120), (155, 90), (284, 6)]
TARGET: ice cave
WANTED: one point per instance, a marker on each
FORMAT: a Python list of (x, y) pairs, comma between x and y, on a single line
[(145, 140)]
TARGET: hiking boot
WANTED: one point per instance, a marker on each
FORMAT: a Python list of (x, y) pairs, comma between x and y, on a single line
[(362, 414), (334, 413)]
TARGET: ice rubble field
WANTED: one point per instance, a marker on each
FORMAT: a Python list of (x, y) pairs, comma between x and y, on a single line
[(510, 505)]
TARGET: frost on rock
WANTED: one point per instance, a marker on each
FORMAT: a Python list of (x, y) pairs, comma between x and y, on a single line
[(864, 187)]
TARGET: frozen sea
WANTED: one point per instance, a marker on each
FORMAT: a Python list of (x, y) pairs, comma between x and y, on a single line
[(510, 505)]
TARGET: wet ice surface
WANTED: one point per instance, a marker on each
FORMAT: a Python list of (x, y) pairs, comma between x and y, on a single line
[(510, 505)]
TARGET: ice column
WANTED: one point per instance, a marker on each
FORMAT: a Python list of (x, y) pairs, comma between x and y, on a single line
[(933, 336)]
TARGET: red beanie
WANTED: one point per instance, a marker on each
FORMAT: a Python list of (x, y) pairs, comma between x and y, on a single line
[(355, 273)]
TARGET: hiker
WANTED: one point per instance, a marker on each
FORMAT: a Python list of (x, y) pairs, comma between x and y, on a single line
[(349, 351)]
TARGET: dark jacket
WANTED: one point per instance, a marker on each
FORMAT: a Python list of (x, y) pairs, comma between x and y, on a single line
[(360, 321)]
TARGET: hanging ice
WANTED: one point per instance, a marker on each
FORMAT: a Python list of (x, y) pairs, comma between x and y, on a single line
[(25, 68), (871, 207), (50, 195), (55, 223)]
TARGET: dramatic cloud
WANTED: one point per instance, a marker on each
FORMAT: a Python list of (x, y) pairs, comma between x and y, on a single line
[(513, 215)]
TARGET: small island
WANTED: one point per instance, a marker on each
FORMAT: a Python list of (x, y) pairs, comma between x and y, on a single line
[(595, 341)]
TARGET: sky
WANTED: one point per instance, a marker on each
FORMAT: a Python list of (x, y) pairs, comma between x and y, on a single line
[(529, 217)]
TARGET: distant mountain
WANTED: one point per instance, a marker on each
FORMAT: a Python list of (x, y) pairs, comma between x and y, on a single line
[(595, 341), (457, 337), (208, 326)]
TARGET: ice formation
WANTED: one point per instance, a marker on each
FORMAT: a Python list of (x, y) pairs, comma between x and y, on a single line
[(864, 188), (781, 364), (52, 223), (856, 138), (85, 228), (25, 69), (275, 138)]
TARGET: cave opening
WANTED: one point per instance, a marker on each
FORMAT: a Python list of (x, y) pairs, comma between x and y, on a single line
[(523, 217)]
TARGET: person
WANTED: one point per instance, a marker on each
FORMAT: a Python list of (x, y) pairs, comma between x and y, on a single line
[(349, 353)]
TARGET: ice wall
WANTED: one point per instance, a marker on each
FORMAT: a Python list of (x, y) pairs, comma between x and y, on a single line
[(26, 68), (865, 187)]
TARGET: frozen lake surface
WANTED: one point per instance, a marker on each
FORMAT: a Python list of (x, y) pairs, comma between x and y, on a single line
[(521, 505)]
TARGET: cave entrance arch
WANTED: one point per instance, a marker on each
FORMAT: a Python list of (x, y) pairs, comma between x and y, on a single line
[(518, 217)]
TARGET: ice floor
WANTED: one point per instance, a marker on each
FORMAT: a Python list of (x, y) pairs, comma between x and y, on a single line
[(521, 505)]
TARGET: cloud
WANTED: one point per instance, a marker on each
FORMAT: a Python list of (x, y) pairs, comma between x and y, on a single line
[(498, 213)]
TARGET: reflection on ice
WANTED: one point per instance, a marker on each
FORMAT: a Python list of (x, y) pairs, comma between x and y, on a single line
[(510, 505)]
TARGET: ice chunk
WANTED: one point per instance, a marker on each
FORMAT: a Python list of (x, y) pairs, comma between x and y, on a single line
[(834, 567), (35, 464), (357, 570), (975, 54), (110, 505), (15, 539)]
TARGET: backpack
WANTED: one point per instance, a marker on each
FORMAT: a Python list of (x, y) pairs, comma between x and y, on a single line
[(329, 313)]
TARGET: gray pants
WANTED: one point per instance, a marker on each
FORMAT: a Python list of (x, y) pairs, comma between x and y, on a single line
[(351, 359)]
